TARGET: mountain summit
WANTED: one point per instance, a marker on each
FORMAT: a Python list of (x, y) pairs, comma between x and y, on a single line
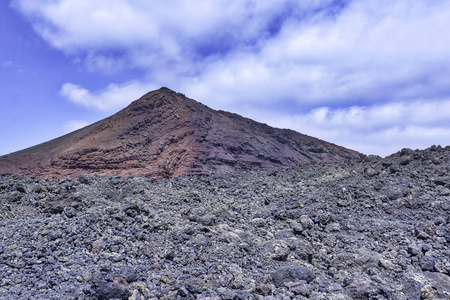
[(165, 134)]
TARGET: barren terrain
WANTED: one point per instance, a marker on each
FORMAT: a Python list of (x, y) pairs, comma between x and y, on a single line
[(165, 134), (368, 229)]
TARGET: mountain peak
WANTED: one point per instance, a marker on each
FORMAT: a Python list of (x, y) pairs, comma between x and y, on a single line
[(161, 97), (166, 134)]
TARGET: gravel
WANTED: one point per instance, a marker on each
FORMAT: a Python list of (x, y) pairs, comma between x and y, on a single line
[(378, 228)]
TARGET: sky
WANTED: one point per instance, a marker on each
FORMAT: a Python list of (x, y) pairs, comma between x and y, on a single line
[(373, 75)]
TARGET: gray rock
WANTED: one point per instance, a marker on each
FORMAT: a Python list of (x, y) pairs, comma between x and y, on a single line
[(129, 273), (188, 237), (396, 192), (207, 219), (226, 294), (84, 179), (364, 289), (276, 250), (284, 234), (371, 172), (111, 290), (428, 264), (440, 281), (306, 222), (292, 273)]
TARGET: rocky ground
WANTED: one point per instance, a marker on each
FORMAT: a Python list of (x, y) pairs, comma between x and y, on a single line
[(369, 229)]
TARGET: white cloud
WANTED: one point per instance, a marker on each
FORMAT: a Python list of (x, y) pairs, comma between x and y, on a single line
[(147, 34), (379, 129), (74, 125), (370, 75), (72, 24), (319, 53), (368, 54), (104, 63), (111, 98)]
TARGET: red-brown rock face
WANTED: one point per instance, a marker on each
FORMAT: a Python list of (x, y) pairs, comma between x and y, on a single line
[(165, 134)]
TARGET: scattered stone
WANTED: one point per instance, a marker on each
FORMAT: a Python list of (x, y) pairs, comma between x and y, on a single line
[(276, 250), (291, 273), (111, 290), (328, 231), (363, 289), (333, 227), (387, 264), (439, 281), (371, 172), (306, 222), (258, 222)]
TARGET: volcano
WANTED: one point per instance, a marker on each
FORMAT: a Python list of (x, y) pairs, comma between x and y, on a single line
[(164, 134)]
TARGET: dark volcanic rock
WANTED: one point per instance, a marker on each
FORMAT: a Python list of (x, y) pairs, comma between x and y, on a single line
[(292, 273), (165, 134), (265, 235), (111, 290)]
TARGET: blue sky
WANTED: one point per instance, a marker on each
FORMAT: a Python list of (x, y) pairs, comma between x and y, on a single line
[(371, 75)]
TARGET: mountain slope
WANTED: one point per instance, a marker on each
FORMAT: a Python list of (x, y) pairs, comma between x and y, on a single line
[(165, 134)]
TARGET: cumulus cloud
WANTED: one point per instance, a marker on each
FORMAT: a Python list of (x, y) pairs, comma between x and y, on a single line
[(111, 98), (171, 29), (359, 73), (378, 129), (367, 54), (319, 53)]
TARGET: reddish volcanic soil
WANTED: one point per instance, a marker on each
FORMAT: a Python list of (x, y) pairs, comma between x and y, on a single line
[(165, 134)]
